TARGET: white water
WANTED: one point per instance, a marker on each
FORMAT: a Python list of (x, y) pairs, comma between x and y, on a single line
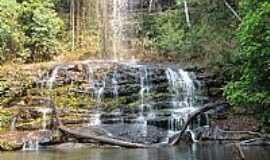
[(180, 84), (122, 27), (31, 143), (44, 112), (53, 76), (182, 89), (95, 119), (188, 87), (13, 124), (115, 84)]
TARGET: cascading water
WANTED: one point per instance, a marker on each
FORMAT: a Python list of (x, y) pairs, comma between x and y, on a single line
[(53, 76), (182, 89), (115, 84), (136, 98), (117, 28), (31, 143), (44, 112), (13, 124), (144, 90)]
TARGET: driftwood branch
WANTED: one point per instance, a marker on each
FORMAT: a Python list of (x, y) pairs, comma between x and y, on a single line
[(103, 139), (175, 139)]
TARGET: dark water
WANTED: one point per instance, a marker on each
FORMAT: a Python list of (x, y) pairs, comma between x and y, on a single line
[(208, 151)]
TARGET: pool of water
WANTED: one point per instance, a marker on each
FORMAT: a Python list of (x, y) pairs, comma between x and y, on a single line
[(209, 151)]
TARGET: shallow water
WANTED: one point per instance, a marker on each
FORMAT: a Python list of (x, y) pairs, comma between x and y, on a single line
[(212, 151)]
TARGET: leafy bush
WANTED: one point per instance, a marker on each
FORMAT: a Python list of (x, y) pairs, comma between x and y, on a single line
[(42, 28), (207, 39), (252, 87), (11, 35), (29, 29)]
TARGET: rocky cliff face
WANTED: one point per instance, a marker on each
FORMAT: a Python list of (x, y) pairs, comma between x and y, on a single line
[(108, 91), (149, 100)]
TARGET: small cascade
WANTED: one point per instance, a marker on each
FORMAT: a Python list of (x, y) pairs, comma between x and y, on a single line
[(53, 76), (188, 87), (95, 119), (174, 85), (115, 85), (99, 93), (144, 92), (30, 145), (13, 124), (44, 112), (98, 87), (182, 88)]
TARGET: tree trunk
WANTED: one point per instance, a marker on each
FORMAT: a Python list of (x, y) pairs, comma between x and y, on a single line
[(102, 139), (72, 24)]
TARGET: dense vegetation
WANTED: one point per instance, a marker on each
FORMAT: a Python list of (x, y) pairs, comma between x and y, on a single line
[(211, 35), (30, 30), (250, 86)]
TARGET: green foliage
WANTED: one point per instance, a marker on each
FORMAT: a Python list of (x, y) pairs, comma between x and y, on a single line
[(11, 35), (42, 27), (252, 87), (29, 29), (211, 36), (5, 117), (4, 87)]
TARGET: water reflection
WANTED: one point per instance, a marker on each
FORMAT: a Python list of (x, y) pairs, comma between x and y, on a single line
[(213, 151)]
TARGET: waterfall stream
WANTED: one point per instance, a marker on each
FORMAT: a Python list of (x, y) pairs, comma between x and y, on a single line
[(138, 97)]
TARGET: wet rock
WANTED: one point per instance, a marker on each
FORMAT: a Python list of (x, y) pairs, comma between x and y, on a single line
[(6, 145)]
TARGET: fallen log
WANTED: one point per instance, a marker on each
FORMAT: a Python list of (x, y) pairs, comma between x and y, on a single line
[(103, 139), (256, 142), (176, 138), (215, 133)]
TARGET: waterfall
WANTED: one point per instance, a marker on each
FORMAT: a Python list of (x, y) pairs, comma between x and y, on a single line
[(144, 88), (44, 112), (31, 145), (95, 120), (117, 28), (13, 124), (182, 89), (98, 87), (188, 87), (137, 97), (53, 76), (115, 84)]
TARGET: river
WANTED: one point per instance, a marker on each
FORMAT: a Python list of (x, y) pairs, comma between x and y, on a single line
[(202, 151)]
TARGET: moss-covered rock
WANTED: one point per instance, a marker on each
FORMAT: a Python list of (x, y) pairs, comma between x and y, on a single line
[(6, 145), (5, 117)]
